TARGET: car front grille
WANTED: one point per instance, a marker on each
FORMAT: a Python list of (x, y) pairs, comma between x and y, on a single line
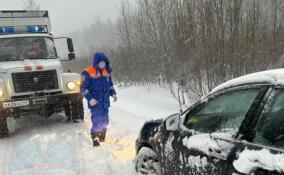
[(35, 81)]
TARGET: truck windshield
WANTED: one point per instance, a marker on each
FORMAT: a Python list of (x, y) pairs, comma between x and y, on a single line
[(12, 49)]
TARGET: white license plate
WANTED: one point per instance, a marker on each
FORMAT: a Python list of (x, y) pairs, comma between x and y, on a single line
[(40, 100), (16, 104)]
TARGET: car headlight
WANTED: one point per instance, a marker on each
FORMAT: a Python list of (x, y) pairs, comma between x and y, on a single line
[(1, 93), (71, 85)]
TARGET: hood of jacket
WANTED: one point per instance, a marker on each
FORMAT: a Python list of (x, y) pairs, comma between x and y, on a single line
[(99, 56)]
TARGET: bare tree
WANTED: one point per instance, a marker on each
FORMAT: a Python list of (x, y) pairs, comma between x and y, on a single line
[(195, 44), (31, 5)]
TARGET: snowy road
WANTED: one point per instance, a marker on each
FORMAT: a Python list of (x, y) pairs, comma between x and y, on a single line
[(55, 146)]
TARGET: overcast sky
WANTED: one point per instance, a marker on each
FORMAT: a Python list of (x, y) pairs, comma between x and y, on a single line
[(69, 15)]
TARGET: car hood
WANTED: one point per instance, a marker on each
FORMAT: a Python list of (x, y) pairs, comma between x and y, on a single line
[(149, 128), (44, 63), (157, 121)]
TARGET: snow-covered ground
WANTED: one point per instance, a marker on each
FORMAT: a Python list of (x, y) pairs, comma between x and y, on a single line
[(55, 146)]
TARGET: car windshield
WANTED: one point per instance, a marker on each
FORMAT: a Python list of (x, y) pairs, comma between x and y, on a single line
[(12, 49)]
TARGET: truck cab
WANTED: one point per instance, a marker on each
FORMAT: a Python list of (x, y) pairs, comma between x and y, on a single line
[(31, 73)]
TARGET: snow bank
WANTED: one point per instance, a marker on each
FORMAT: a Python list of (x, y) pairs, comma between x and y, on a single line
[(250, 160), (150, 104)]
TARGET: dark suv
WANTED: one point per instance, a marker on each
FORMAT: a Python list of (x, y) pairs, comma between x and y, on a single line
[(237, 129)]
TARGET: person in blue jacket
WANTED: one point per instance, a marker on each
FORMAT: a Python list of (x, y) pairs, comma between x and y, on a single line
[(97, 87)]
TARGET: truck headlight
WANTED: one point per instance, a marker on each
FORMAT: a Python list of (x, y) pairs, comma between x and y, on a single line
[(78, 83), (71, 85), (1, 93)]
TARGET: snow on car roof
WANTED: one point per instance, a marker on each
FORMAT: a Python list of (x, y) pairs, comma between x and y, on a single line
[(274, 77)]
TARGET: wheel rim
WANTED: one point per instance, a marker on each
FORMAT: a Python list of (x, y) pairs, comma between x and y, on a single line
[(148, 165)]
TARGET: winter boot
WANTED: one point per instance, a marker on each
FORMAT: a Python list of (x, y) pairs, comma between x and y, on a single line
[(102, 136), (95, 138)]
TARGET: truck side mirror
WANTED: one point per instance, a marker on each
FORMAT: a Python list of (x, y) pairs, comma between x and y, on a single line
[(71, 56), (70, 45)]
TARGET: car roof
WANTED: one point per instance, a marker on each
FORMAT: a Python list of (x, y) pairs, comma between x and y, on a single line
[(269, 77)]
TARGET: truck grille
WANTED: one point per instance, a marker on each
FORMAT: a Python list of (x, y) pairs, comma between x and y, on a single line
[(35, 81)]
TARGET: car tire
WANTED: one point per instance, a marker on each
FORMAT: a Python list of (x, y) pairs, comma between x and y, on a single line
[(4, 132), (147, 162)]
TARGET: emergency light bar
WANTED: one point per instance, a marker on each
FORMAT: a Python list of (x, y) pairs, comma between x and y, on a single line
[(37, 29), (24, 22), (6, 30), (27, 29)]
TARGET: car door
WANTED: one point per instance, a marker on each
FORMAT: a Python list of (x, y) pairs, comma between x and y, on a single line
[(264, 155), (203, 144)]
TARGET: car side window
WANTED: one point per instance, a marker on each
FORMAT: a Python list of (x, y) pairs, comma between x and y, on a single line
[(270, 127), (223, 113)]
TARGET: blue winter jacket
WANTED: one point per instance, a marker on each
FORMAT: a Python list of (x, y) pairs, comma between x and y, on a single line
[(98, 83)]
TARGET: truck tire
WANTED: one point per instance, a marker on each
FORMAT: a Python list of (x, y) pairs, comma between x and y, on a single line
[(4, 132), (74, 111), (67, 110), (77, 110)]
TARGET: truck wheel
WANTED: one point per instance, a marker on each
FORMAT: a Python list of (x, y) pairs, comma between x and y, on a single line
[(77, 110), (74, 111), (67, 110), (4, 132)]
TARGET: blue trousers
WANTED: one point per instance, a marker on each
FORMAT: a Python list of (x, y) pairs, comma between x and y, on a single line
[(99, 118)]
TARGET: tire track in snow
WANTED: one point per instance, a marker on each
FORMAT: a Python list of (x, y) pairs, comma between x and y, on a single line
[(77, 145), (44, 128), (6, 159), (116, 146), (131, 114), (41, 130), (81, 155)]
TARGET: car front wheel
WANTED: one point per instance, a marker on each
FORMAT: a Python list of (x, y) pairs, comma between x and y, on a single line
[(147, 162)]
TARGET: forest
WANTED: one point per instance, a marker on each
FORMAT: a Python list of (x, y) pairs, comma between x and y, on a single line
[(195, 44)]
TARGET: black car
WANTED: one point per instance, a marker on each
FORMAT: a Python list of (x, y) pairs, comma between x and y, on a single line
[(237, 129)]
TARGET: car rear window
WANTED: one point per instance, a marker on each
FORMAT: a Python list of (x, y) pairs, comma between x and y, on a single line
[(270, 128)]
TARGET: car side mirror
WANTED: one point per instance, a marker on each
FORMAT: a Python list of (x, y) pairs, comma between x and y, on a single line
[(70, 45), (172, 122), (71, 56)]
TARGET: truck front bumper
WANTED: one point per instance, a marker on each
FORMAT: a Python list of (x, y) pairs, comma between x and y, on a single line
[(33, 102)]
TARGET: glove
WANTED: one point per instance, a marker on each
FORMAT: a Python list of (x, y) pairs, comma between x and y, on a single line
[(114, 98), (93, 102)]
